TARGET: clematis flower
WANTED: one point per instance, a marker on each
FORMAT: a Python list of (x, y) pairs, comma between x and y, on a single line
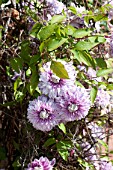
[(74, 104), (102, 98), (89, 152), (55, 6), (42, 113), (42, 164), (104, 165), (97, 132), (52, 85)]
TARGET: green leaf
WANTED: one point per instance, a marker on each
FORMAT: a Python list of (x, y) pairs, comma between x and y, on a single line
[(16, 164), (49, 142), (34, 59), (17, 64), (46, 32), (59, 69), (70, 30), (73, 9), (80, 33), (101, 39), (33, 81), (101, 63), (55, 43), (28, 72), (14, 65), (62, 127), (110, 86), (19, 95), (92, 39), (100, 17), (96, 38), (42, 46), (25, 51), (103, 143), (93, 94), (84, 57), (62, 148), (57, 19), (17, 83), (103, 72), (84, 45), (12, 103), (35, 29)]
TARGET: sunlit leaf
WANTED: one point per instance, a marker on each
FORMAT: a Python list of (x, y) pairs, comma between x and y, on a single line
[(46, 32), (59, 69), (62, 148), (54, 43), (93, 94), (62, 127), (103, 72), (80, 33), (84, 45), (57, 19), (101, 62)]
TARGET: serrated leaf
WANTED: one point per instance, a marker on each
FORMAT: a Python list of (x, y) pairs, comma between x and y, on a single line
[(57, 19), (62, 127), (84, 45), (46, 32), (103, 72), (49, 142), (101, 63), (80, 33), (93, 94), (53, 43), (59, 69)]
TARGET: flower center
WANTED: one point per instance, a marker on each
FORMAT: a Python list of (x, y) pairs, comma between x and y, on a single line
[(55, 79), (72, 107), (38, 168), (44, 114)]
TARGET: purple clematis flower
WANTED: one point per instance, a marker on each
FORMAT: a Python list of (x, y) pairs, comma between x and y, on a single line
[(42, 113), (52, 85), (42, 163), (74, 104)]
